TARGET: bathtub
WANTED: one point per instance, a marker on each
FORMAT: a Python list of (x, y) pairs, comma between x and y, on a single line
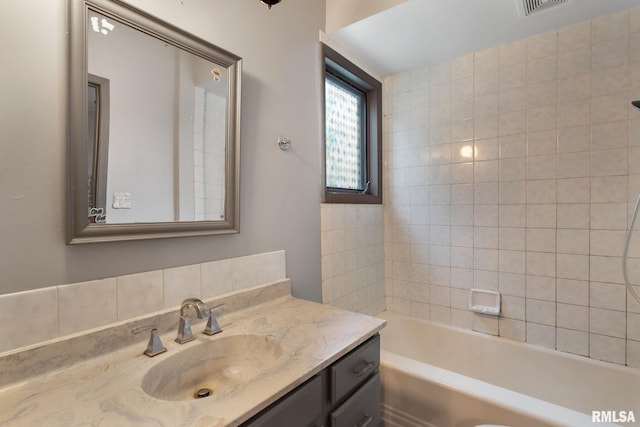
[(437, 375)]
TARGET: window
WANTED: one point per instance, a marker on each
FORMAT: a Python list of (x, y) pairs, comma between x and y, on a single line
[(344, 124), (352, 132)]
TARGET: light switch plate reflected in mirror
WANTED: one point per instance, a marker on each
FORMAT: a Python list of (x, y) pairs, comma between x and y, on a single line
[(121, 200)]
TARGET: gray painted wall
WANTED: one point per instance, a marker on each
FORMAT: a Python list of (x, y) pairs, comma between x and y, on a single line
[(280, 197)]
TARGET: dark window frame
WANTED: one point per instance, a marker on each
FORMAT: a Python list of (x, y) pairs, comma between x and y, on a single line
[(339, 67)]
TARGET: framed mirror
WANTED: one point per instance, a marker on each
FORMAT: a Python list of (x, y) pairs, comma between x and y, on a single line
[(154, 128)]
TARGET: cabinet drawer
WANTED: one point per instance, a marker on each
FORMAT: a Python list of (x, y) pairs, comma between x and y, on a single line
[(300, 408), (362, 409), (352, 370)]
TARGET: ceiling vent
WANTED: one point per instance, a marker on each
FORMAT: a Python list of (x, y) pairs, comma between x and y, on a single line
[(533, 6)]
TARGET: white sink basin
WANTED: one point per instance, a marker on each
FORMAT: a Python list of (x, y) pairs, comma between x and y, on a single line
[(212, 369)]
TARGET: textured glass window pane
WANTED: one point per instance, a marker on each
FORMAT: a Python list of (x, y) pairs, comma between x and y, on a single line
[(343, 129)]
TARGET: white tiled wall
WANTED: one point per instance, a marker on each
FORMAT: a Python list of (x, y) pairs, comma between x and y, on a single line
[(353, 257), (34, 316), (516, 169)]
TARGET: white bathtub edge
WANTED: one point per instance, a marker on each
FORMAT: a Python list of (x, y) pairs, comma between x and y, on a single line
[(544, 411)]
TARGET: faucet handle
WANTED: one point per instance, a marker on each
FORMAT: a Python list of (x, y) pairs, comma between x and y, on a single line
[(213, 327), (217, 307), (154, 347)]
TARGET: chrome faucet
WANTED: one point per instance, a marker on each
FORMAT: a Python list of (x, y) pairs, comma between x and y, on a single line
[(212, 324), (154, 347), (184, 328)]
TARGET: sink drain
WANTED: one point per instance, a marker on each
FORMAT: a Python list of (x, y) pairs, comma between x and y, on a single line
[(203, 392)]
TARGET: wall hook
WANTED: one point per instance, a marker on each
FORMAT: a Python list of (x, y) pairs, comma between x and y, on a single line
[(284, 143)]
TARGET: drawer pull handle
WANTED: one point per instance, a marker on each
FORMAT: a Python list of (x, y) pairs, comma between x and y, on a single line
[(363, 369), (365, 421)]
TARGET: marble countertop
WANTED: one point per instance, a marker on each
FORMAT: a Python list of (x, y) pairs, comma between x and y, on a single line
[(105, 390)]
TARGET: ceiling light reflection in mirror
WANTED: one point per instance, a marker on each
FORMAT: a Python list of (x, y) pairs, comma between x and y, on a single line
[(101, 25)]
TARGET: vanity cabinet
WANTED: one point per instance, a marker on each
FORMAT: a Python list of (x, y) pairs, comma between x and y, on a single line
[(301, 407), (345, 394), (361, 409)]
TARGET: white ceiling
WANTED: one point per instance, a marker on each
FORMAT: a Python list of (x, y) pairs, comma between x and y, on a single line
[(418, 33)]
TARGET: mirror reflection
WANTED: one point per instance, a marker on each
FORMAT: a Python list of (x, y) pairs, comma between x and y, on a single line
[(97, 145), (154, 128), (161, 156)]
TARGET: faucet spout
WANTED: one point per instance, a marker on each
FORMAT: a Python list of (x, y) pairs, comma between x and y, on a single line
[(202, 311), (184, 328)]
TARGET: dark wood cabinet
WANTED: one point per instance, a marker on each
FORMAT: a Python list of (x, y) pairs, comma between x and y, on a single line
[(302, 407), (345, 394), (361, 409)]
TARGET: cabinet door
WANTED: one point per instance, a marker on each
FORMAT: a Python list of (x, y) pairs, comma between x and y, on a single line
[(354, 369), (362, 409), (299, 408)]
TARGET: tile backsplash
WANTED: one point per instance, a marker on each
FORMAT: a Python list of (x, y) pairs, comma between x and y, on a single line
[(34, 316), (515, 169)]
